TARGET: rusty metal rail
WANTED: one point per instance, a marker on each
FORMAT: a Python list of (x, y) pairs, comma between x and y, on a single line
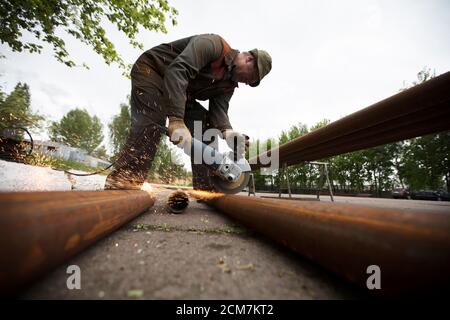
[(40, 230), (411, 248), (421, 110)]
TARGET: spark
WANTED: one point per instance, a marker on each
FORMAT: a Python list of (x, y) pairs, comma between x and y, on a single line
[(147, 187), (205, 195)]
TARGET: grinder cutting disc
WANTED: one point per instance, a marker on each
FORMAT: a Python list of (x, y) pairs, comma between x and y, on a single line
[(221, 185)]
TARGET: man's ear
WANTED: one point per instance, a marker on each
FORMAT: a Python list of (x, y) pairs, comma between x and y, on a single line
[(249, 58)]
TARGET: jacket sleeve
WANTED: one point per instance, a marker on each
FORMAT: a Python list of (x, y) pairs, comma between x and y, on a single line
[(200, 51), (218, 111)]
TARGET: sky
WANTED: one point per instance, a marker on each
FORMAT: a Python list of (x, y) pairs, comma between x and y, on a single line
[(330, 58)]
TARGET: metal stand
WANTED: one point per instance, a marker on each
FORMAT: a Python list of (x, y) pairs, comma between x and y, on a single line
[(323, 174), (284, 173), (251, 185)]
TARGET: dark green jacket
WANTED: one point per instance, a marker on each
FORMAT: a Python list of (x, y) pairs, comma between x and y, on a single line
[(185, 69)]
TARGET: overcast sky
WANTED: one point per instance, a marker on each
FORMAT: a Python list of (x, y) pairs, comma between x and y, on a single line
[(330, 58)]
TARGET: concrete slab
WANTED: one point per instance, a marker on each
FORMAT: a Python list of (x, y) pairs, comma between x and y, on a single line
[(21, 177), (402, 204)]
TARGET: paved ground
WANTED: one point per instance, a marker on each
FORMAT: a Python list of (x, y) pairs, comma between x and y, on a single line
[(402, 204), (21, 177)]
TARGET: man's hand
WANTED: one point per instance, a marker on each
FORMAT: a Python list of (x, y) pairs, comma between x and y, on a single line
[(178, 133), (236, 141)]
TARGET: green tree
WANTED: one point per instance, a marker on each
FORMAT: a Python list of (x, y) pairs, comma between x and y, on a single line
[(339, 171), (378, 167), (425, 160), (347, 170), (100, 153), (119, 129), (78, 129), (15, 110), (83, 20), (2, 95), (165, 166), (262, 181), (423, 75), (300, 174), (322, 123)]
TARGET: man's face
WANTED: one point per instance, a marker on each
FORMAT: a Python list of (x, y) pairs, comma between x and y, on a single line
[(245, 69)]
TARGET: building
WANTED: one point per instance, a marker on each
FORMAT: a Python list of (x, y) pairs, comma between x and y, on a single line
[(60, 150)]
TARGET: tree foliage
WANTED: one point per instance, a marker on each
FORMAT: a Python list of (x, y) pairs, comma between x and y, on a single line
[(427, 161), (82, 19), (16, 112), (165, 166), (119, 129), (78, 129), (101, 153)]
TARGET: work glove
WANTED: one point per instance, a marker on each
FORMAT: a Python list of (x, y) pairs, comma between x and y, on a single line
[(238, 142), (179, 134)]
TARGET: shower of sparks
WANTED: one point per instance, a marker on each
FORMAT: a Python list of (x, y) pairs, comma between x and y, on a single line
[(204, 195), (147, 187)]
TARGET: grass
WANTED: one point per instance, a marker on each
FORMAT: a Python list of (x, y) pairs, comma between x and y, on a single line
[(166, 228), (36, 159)]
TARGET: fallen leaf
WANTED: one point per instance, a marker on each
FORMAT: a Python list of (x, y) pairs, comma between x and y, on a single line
[(249, 266), (223, 266), (135, 293)]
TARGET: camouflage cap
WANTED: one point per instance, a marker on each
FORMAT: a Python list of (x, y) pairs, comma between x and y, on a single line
[(264, 63)]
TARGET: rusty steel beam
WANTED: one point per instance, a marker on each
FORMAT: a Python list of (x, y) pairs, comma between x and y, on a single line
[(400, 132), (41, 230), (417, 123), (421, 110), (412, 248)]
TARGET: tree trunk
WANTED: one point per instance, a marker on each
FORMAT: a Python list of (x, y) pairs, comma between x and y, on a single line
[(447, 180)]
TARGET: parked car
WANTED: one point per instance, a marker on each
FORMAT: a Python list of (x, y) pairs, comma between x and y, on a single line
[(400, 193), (426, 195), (444, 195)]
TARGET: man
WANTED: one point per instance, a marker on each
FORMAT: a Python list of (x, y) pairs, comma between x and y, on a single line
[(166, 82)]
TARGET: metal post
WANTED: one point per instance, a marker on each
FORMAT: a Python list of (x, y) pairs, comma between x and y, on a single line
[(320, 183), (280, 179), (329, 184), (284, 176), (251, 185), (323, 167)]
